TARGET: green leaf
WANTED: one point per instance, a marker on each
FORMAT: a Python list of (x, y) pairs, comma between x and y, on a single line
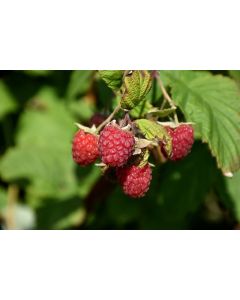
[(82, 110), (161, 112), (80, 83), (3, 199), (144, 159), (42, 167), (213, 104), (113, 78), (37, 72), (7, 101), (136, 86), (42, 155), (141, 109), (55, 214), (152, 130), (235, 74), (50, 122), (121, 210), (43, 151), (178, 190)]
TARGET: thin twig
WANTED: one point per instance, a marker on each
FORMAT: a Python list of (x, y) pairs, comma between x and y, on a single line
[(166, 96), (165, 93), (110, 117), (163, 103)]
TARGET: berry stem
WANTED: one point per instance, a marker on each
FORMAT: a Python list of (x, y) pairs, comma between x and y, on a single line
[(110, 117), (165, 95)]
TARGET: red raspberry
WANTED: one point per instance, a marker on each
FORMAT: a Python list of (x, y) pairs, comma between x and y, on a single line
[(135, 180), (84, 148), (115, 145), (182, 141), (97, 119)]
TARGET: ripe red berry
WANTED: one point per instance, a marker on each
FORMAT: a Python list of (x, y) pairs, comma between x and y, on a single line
[(115, 145), (182, 141), (97, 119), (135, 180), (84, 148)]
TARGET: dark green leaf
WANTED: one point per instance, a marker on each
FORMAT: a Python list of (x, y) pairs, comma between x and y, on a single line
[(7, 101), (178, 190)]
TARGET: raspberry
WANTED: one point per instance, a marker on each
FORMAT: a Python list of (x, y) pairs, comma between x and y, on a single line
[(182, 141), (135, 180), (84, 148), (97, 119), (115, 145)]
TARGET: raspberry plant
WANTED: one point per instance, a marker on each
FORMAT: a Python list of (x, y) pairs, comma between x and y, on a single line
[(136, 130), (177, 184)]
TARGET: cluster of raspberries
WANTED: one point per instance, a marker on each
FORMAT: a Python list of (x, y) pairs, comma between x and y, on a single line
[(115, 147)]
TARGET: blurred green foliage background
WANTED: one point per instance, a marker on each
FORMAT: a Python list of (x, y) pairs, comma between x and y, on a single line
[(42, 188)]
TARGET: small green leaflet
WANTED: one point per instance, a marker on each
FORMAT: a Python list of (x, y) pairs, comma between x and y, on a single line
[(113, 78), (161, 112), (137, 85), (145, 158), (152, 130), (141, 110)]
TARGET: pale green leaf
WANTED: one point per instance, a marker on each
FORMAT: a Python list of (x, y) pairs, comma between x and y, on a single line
[(43, 151), (83, 110), (113, 78), (152, 130), (80, 82), (136, 86), (49, 169), (141, 109)]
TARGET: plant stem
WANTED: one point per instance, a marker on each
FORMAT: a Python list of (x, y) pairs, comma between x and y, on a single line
[(166, 95), (110, 117), (163, 103)]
